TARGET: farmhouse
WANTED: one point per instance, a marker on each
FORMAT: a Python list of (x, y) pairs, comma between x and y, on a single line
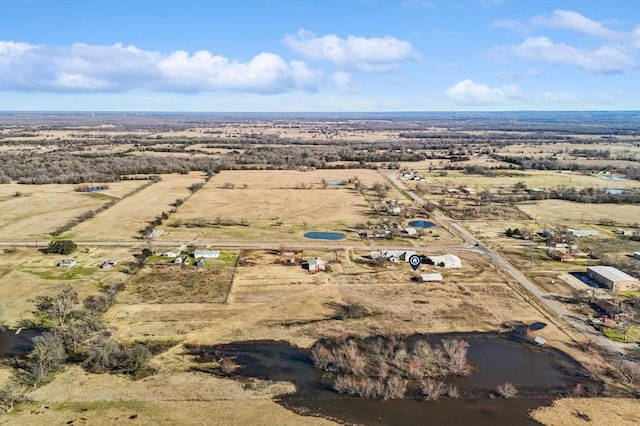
[(448, 261), (612, 278), (67, 263), (430, 277), (582, 232), (604, 307), (394, 255), (206, 254)]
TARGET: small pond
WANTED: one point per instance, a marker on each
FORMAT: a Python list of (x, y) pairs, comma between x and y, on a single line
[(540, 374), (613, 178), (324, 235), (12, 344), (421, 224), (336, 182)]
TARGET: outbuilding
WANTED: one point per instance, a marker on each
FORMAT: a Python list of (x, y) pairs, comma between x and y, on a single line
[(430, 277), (447, 261), (612, 278), (206, 254)]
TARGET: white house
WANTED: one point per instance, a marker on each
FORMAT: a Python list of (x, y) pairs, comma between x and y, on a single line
[(206, 254), (582, 232), (410, 231), (447, 261), (430, 277), (172, 253)]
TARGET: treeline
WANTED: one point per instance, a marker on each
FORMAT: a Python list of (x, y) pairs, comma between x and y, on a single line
[(66, 168)]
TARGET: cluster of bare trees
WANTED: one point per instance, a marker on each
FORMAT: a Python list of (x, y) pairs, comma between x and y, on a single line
[(389, 367), (75, 334)]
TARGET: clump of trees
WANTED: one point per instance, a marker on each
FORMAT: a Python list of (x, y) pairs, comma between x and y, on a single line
[(61, 247), (75, 334), (389, 367)]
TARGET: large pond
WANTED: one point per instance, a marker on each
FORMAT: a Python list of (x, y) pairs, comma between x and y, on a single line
[(12, 344), (324, 235), (421, 224), (540, 374)]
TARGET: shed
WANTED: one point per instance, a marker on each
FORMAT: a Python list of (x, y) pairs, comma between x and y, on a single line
[(636, 255), (430, 277), (108, 264), (67, 263), (316, 264)]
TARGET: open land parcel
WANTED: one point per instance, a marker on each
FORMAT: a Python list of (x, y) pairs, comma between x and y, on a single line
[(258, 290)]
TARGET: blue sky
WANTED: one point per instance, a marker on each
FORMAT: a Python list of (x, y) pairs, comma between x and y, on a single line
[(319, 55)]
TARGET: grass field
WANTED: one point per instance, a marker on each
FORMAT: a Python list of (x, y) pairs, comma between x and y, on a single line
[(272, 206), (123, 220), (40, 209), (575, 214), (532, 179)]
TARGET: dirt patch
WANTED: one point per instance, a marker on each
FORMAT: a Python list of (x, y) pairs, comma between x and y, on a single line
[(179, 284)]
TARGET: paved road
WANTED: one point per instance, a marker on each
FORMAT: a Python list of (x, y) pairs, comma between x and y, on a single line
[(553, 306)]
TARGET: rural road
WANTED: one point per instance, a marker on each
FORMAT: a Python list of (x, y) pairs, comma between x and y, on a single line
[(553, 306)]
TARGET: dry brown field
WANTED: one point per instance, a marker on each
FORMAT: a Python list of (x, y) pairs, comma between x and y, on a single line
[(533, 179), (577, 214), (273, 207), (40, 209), (123, 220)]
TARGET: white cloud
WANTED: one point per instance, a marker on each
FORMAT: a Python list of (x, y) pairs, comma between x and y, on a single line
[(603, 60), (376, 54), (574, 21), (86, 68), (468, 92), (341, 80)]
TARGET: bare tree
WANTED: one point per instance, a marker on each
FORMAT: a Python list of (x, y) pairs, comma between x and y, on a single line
[(456, 350), (11, 394), (433, 389), (507, 390), (47, 356), (58, 308)]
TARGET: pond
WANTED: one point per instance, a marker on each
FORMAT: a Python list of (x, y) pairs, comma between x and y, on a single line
[(336, 182), (540, 374), (12, 344), (324, 235), (613, 178), (421, 224)]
